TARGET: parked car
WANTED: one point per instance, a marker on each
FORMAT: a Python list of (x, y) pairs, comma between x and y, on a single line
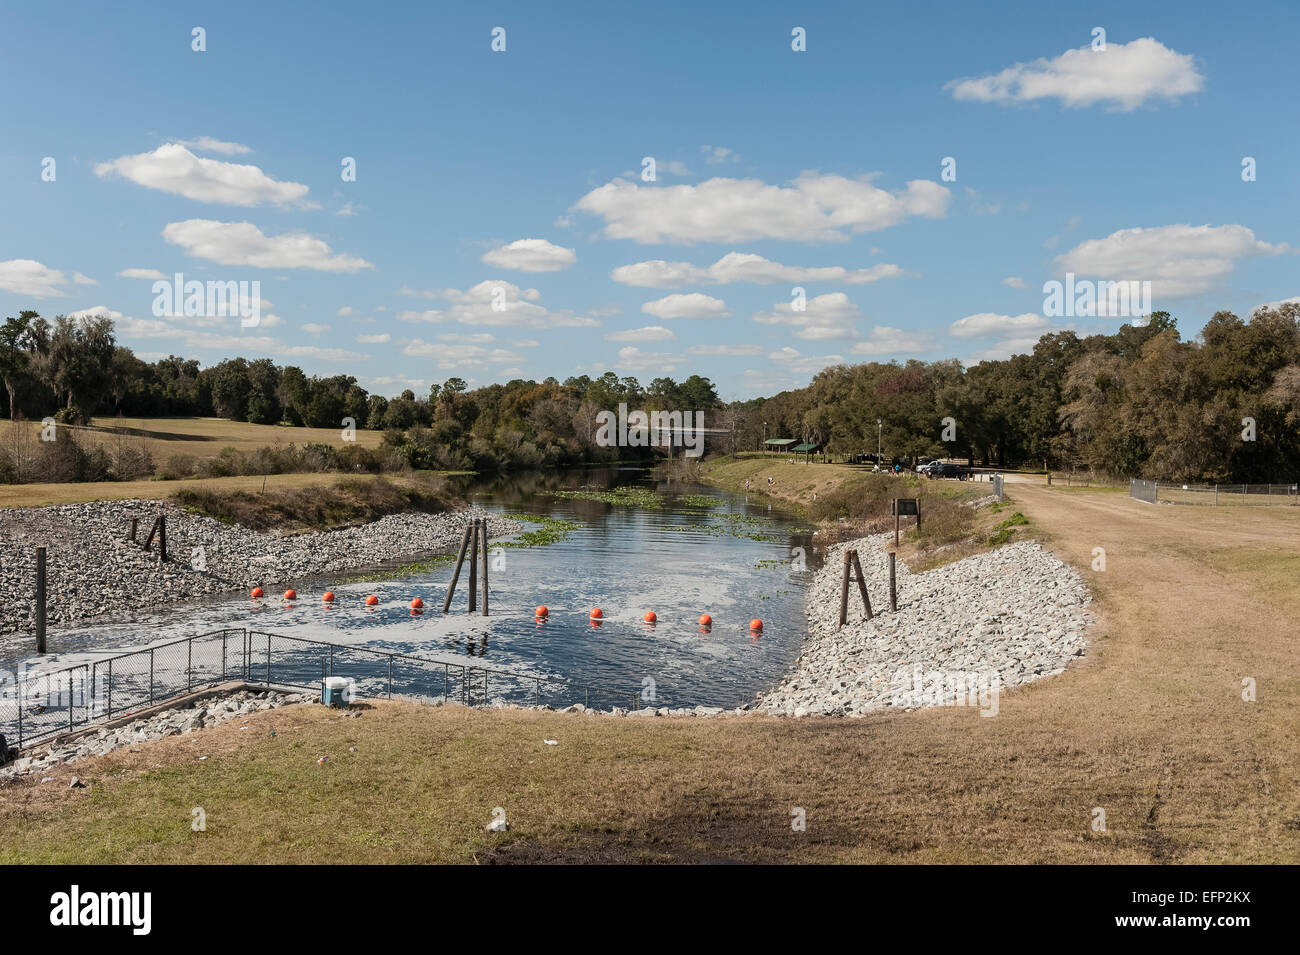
[(946, 469)]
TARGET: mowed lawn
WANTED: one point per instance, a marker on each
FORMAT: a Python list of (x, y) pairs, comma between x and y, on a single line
[(1150, 728)]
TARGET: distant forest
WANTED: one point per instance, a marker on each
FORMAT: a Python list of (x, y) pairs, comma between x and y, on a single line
[(1140, 402)]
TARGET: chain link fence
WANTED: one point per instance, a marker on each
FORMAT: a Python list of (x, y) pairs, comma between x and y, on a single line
[(38, 705), (1153, 492)]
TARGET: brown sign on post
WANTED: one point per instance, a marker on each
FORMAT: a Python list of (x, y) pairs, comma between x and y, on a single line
[(906, 505)]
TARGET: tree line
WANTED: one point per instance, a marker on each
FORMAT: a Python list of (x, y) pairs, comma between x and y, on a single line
[(1223, 407), (1142, 402)]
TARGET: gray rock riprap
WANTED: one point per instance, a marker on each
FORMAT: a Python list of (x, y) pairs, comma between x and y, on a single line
[(963, 632), (93, 570), (101, 742)]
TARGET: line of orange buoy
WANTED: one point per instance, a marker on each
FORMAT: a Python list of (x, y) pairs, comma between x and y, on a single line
[(541, 614)]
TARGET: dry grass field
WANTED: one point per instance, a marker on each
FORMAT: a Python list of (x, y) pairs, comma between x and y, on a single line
[(205, 437), (1150, 727)]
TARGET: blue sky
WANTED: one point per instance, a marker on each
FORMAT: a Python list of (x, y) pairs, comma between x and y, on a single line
[(1115, 164)]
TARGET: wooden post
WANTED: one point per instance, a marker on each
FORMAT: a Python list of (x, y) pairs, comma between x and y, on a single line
[(135, 524), (40, 600), (893, 589), (844, 588), (473, 567), (852, 567), (455, 576), (485, 567), (162, 538), (896, 520)]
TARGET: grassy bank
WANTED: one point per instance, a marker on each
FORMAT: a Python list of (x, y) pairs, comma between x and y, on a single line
[(347, 502)]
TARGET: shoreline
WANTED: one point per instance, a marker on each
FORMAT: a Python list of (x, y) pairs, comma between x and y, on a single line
[(95, 573)]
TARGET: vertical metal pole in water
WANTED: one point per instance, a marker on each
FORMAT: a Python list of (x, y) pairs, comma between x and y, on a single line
[(893, 592), (40, 600), (473, 567), (485, 567)]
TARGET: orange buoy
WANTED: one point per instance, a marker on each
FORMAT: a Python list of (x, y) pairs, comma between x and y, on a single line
[(597, 614), (649, 616), (291, 594), (755, 624), (371, 600), (328, 596), (542, 611), (706, 620), (255, 592), (417, 604)]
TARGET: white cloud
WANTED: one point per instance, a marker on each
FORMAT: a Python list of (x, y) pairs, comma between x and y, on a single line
[(173, 168), (649, 333), (448, 356), (802, 364), (531, 255), (83, 279), (494, 303), (715, 155), (726, 350), (1014, 281), (1178, 260), (379, 339), (1123, 75), (743, 267), (824, 317), (884, 340), (631, 358), (814, 208), (690, 305), (1004, 349), (345, 311), (990, 323), (143, 274), (242, 243), (29, 277), (206, 144), (313, 328)]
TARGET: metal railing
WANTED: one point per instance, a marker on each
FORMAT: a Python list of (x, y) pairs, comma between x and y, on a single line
[(1154, 492), (45, 704)]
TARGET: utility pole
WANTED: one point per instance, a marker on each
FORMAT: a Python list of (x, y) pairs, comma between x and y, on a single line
[(879, 423), (763, 447)]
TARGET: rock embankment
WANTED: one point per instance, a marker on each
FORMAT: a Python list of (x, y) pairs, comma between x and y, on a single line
[(93, 569), (101, 742), (962, 633)]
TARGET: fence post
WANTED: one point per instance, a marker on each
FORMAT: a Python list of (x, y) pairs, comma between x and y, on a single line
[(485, 567), (473, 567), (151, 674), (162, 538), (40, 600), (268, 659), (69, 699), (189, 664), (110, 686), (390, 677), (893, 592)]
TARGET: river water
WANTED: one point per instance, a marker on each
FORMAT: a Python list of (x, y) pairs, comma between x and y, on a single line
[(735, 560)]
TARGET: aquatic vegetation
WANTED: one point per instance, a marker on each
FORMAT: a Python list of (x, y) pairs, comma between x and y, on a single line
[(551, 531), (625, 496), (698, 500)]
